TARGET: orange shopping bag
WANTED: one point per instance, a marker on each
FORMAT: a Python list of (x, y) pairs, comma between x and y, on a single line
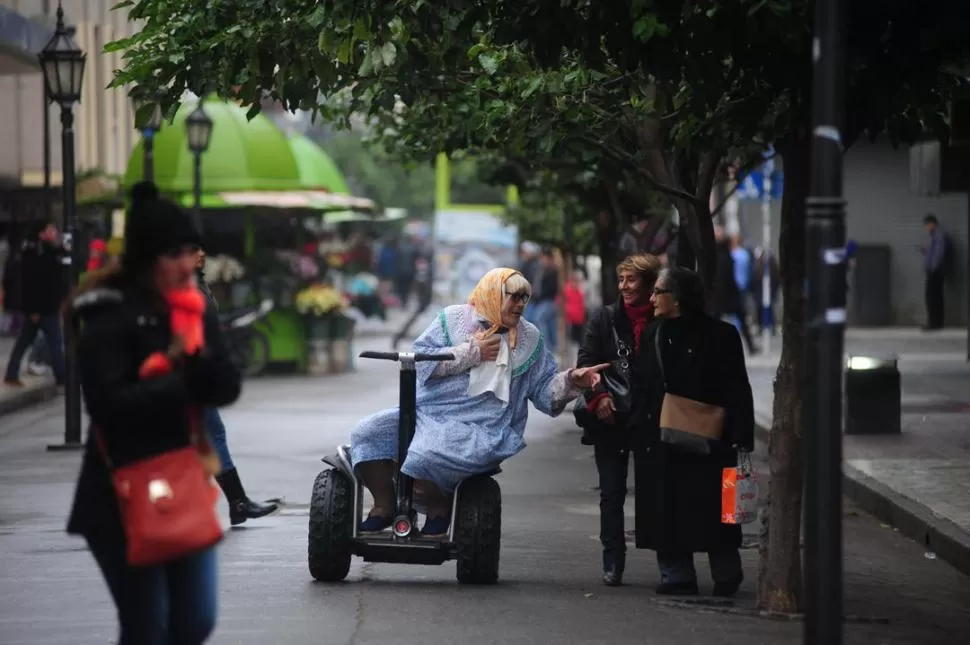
[(739, 492)]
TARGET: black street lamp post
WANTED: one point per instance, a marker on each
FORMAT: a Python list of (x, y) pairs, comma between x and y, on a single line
[(148, 120), (62, 62), (198, 125), (825, 328)]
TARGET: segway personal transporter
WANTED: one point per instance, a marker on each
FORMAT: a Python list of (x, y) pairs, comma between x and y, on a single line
[(336, 508)]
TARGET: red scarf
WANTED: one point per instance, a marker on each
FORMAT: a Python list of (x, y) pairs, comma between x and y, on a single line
[(186, 308), (640, 316)]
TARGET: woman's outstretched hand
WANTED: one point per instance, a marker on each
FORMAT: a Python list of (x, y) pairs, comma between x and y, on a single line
[(587, 377)]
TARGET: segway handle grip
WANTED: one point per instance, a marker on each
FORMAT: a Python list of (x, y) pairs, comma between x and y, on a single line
[(418, 358), (421, 358)]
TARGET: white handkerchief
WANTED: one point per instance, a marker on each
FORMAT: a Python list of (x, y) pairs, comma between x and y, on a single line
[(493, 376)]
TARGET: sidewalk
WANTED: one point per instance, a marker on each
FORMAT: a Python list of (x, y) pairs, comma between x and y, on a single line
[(39, 388), (918, 481)]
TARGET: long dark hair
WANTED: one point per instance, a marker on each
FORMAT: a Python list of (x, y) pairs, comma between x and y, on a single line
[(687, 289)]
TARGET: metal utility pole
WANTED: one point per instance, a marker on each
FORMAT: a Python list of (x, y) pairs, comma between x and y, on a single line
[(766, 317), (825, 328)]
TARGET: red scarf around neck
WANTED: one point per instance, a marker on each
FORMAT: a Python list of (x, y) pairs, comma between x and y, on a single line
[(640, 316)]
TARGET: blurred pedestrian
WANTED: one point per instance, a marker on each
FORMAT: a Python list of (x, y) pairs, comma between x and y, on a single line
[(41, 293), (149, 361), (574, 301), (934, 265), (241, 507), (543, 308)]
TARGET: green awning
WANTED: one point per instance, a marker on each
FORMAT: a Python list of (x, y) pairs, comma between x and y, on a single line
[(243, 155), (317, 170)]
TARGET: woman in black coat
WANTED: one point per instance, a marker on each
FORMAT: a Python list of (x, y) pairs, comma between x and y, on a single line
[(678, 504), (125, 320), (613, 335)]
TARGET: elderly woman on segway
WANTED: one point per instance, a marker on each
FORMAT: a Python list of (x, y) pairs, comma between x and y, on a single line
[(471, 411)]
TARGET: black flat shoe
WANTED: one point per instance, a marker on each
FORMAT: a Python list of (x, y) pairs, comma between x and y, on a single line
[(677, 588), (729, 588), (613, 578), (247, 509)]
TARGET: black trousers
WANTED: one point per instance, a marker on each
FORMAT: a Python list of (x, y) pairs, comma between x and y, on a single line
[(612, 463), (934, 299)]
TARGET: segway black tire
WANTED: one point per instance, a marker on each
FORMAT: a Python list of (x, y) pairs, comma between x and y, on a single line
[(331, 518), (478, 531)]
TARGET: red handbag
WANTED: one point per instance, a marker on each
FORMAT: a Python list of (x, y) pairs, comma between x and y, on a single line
[(167, 504)]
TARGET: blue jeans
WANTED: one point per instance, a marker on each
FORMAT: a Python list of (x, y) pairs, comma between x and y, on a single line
[(171, 604), (544, 316), (51, 326), (217, 433)]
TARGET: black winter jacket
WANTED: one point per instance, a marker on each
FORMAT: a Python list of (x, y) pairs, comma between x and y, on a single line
[(122, 325), (679, 493)]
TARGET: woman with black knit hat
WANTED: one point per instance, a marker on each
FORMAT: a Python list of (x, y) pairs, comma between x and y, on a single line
[(149, 363)]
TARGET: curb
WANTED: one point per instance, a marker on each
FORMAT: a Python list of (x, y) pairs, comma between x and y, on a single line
[(914, 520), (28, 397)]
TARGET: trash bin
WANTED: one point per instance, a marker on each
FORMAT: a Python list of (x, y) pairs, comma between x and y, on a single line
[(873, 396), (870, 290)]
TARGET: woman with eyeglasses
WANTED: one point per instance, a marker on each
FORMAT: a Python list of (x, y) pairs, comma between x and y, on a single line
[(693, 364), (611, 413), (471, 411)]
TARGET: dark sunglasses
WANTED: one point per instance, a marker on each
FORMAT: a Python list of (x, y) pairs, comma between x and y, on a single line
[(521, 297), (659, 291)]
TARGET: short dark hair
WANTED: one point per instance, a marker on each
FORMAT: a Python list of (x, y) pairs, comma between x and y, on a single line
[(930, 219), (687, 289)]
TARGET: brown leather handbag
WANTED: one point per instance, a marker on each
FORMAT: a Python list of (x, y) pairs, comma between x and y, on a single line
[(687, 424)]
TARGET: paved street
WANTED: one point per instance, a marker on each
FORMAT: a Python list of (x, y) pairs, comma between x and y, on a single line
[(51, 593)]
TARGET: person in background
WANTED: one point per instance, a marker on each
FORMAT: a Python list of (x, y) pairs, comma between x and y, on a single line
[(544, 303), (743, 272), (758, 287), (529, 266), (728, 301), (575, 306), (424, 286), (934, 263), (41, 295), (97, 254), (241, 508), (614, 335), (125, 314), (408, 251)]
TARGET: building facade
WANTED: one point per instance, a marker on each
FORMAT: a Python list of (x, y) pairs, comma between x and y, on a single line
[(104, 120), (884, 213)]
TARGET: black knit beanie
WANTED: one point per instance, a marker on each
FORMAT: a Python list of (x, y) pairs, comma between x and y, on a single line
[(155, 226)]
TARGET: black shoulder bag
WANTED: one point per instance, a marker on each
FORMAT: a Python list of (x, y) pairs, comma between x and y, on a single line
[(617, 381)]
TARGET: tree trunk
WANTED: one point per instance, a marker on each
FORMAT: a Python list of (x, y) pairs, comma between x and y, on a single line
[(606, 236), (780, 564)]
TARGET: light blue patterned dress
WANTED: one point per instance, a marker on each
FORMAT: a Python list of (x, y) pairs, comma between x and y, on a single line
[(458, 436)]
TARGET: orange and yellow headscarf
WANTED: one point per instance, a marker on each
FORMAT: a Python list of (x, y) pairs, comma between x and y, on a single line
[(488, 297)]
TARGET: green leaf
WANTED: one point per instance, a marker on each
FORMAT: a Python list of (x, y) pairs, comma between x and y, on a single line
[(344, 50), (118, 45), (489, 63), (532, 86), (388, 54)]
